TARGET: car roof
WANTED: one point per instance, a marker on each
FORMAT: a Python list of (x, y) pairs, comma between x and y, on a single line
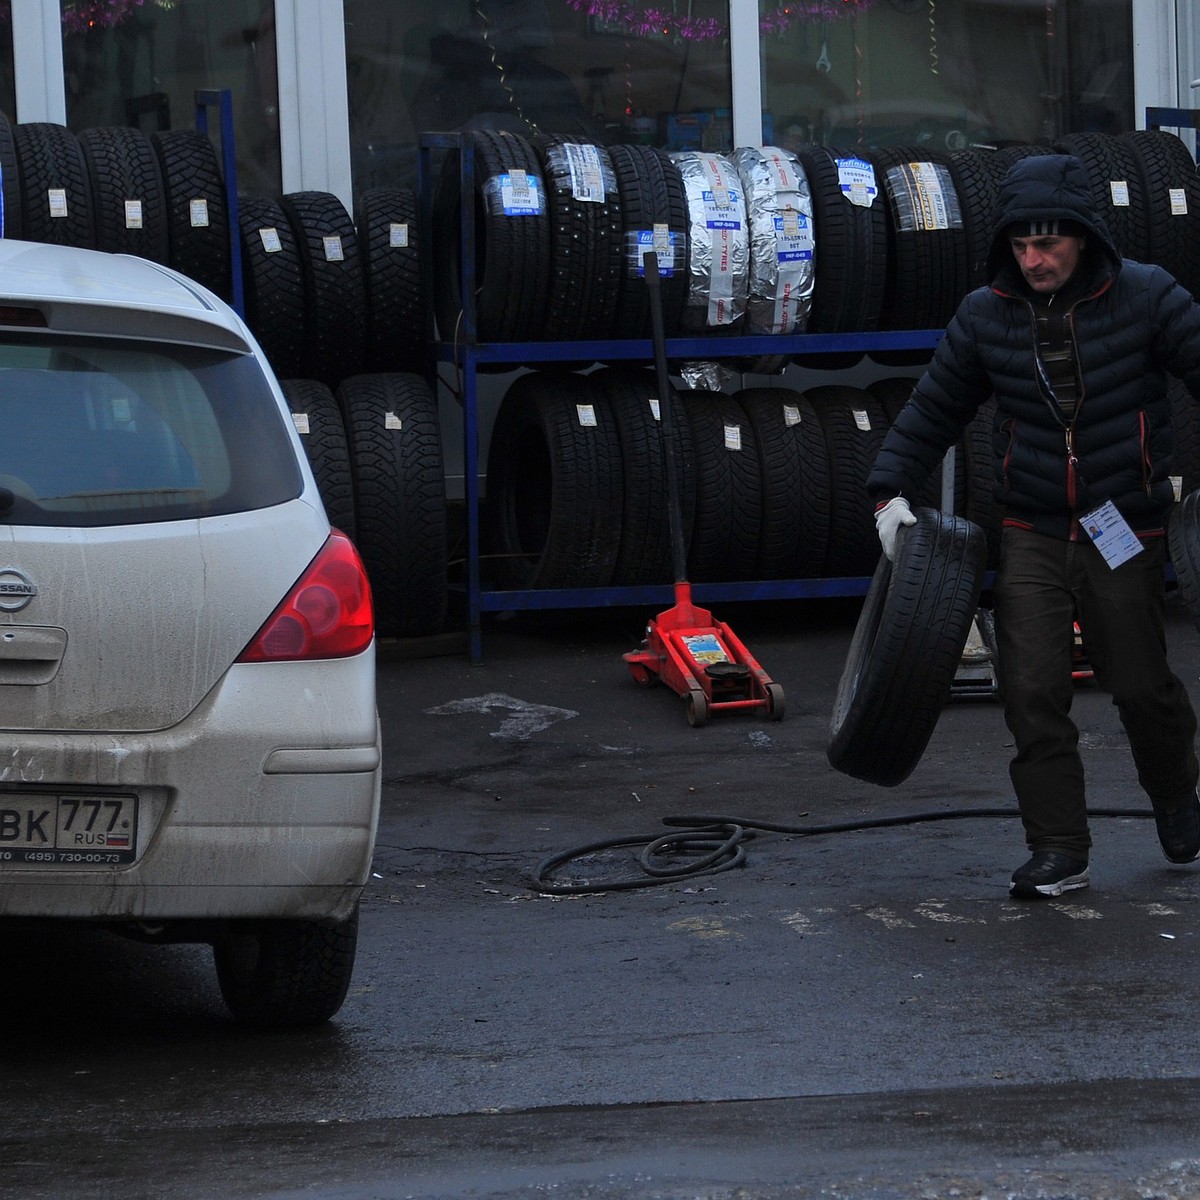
[(112, 295)]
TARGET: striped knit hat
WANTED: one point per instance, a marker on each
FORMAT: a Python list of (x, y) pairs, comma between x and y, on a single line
[(1059, 227)]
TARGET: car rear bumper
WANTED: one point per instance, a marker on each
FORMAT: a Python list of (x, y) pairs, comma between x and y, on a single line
[(262, 803)]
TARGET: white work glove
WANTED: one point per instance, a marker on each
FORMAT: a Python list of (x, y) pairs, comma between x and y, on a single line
[(888, 521)]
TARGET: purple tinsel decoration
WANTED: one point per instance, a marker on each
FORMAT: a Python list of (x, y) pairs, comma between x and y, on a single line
[(645, 22)]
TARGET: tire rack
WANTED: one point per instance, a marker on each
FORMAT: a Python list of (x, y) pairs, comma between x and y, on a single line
[(467, 354), (222, 100)]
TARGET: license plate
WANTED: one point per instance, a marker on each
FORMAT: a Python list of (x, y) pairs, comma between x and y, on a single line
[(67, 829)]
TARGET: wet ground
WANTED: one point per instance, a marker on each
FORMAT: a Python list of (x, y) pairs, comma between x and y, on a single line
[(858, 1014)]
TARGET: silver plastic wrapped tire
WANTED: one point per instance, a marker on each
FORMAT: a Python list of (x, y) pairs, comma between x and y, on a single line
[(779, 214), (718, 243)]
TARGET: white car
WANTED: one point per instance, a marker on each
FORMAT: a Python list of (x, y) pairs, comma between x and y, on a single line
[(189, 746)]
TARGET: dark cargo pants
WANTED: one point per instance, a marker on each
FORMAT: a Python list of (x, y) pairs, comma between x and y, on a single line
[(1043, 584)]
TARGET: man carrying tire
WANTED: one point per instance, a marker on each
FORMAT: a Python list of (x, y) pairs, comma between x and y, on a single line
[(1075, 344)]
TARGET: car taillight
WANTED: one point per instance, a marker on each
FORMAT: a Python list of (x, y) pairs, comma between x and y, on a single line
[(327, 614)]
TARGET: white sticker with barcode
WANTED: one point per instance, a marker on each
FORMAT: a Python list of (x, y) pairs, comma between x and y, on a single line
[(133, 214), (856, 179), (57, 199), (1179, 205), (1119, 190), (733, 437), (391, 421), (333, 248), (587, 415), (198, 213), (587, 175), (300, 420), (791, 415), (270, 239), (654, 408), (862, 420), (398, 235)]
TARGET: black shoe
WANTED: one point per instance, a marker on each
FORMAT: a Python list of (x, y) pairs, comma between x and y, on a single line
[(1179, 831), (1048, 873)]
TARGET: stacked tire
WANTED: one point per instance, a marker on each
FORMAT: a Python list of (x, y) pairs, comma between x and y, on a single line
[(376, 452), (771, 481), (326, 294)]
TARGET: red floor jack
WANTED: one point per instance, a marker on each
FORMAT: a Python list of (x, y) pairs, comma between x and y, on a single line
[(695, 656)]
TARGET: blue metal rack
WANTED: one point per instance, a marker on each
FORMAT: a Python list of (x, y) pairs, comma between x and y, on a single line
[(222, 100), (467, 354)]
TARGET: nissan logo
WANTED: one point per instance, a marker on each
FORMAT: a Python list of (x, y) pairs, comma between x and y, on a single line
[(16, 589)]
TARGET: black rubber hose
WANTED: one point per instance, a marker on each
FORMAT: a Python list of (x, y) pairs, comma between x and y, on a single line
[(715, 844)]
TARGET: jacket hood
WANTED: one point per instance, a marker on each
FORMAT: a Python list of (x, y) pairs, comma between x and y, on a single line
[(1047, 187)]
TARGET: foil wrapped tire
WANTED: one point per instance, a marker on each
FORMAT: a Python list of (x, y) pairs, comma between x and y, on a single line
[(718, 244), (793, 459), (510, 274), (779, 213), (854, 430), (906, 649), (554, 486)]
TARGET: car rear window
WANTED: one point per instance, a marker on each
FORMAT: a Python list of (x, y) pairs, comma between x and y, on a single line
[(94, 432)]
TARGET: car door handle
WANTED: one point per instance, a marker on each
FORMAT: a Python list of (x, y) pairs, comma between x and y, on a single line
[(31, 654)]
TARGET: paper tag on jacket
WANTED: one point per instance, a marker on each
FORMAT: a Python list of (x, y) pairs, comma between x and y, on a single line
[(1111, 533)]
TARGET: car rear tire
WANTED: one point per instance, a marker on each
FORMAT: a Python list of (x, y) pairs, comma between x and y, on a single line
[(286, 974)]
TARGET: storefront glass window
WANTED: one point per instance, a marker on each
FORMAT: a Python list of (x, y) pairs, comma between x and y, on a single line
[(140, 62), (945, 73), (609, 70)]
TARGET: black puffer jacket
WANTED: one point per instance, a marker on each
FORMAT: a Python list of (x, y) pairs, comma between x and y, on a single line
[(1132, 325)]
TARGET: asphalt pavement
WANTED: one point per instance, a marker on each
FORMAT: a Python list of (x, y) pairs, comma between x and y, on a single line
[(854, 1014)]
